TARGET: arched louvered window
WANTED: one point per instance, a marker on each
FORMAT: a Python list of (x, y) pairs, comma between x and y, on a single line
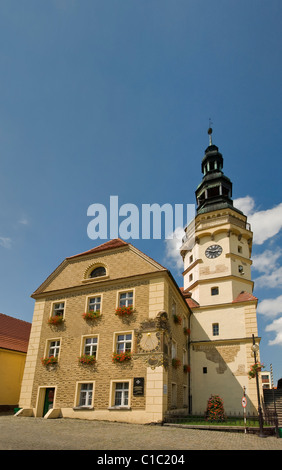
[(97, 272)]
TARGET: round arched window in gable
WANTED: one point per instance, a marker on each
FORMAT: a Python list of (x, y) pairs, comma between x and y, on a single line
[(97, 272)]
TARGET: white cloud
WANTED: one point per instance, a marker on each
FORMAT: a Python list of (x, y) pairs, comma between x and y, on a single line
[(264, 224), (270, 307), (270, 279), (267, 261), (6, 242), (172, 248), (23, 221), (245, 204), (275, 326)]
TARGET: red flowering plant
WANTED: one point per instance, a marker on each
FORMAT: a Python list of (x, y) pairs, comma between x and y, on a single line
[(91, 315), (175, 363), (56, 320), (46, 361), (215, 409), (186, 331), (87, 359), (121, 357), (124, 311), (254, 369), (186, 368), (177, 319)]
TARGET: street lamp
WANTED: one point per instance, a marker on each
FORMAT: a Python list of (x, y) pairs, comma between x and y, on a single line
[(255, 349)]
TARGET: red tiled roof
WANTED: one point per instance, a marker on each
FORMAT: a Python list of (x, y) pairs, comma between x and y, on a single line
[(244, 297), (188, 298), (14, 333), (110, 245)]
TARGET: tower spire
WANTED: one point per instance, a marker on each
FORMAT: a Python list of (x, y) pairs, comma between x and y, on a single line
[(210, 131)]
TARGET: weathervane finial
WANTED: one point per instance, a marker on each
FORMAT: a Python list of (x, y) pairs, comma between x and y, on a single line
[(210, 131)]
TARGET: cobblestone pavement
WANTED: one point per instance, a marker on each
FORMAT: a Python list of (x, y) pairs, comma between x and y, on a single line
[(21, 433)]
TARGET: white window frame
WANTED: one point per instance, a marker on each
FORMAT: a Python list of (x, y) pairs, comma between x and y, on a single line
[(125, 394), (85, 394), (93, 345), (123, 341), (127, 304), (79, 386), (91, 297), (55, 348), (173, 349), (54, 310)]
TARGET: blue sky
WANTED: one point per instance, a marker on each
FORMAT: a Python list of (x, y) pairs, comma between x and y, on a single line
[(113, 97)]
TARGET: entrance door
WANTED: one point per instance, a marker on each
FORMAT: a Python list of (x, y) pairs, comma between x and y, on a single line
[(49, 398)]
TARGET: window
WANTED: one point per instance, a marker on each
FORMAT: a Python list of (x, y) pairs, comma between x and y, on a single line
[(90, 346), (58, 309), (86, 394), (54, 348), (241, 269), (215, 329), (121, 394), (173, 349), (205, 370), (94, 304), (239, 249), (173, 308), (124, 343), (174, 395), (97, 272), (126, 299), (190, 277), (214, 291), (191, 259)]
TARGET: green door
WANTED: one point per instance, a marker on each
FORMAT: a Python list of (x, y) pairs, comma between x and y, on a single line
[(49, 398)]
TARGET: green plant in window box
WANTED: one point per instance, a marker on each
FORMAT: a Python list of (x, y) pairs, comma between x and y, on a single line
[(124, 311), (186, 331), (186, 368), (56, 320), (91, 315), (121, 357), (175, 363), (254, 369), (177, 319), (46, 361), (87, 359)]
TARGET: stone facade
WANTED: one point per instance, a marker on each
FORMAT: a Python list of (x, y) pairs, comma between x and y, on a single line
[(153, 335)]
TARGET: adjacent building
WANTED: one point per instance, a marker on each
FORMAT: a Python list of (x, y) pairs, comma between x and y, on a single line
[(14, 337)]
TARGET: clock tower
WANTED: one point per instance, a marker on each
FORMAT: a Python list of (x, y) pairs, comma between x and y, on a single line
[(216, 253)]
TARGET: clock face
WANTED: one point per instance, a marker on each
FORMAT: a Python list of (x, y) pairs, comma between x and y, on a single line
[(213, 251)]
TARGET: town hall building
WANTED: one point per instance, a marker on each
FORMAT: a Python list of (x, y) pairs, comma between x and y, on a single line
[(115, 338)]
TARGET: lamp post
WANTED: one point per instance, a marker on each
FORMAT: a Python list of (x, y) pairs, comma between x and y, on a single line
[(255, 348)]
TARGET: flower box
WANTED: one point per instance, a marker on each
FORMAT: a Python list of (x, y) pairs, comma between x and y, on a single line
[(186, 331), (121, 357), (175, 363), (186, 368), (46, 361), (254, 369), (177, 319), (87, 359), (91, 315), (124, 311), (56, 320)]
